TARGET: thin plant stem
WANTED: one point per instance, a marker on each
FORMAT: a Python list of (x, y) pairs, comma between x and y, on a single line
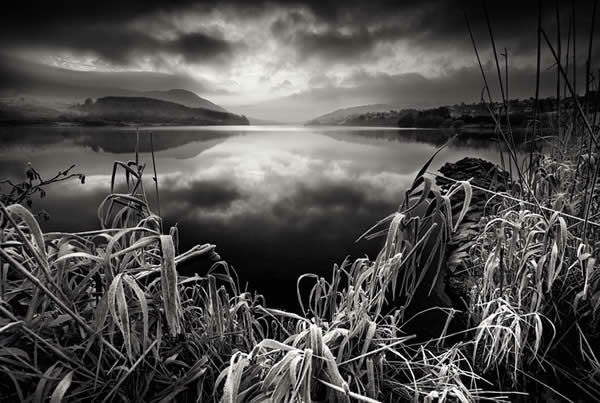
[(486, 89), (499, 73), (155, 178), (559, 50), (537, 94)]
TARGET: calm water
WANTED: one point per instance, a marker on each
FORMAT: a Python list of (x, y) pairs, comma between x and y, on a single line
[(277, 201)]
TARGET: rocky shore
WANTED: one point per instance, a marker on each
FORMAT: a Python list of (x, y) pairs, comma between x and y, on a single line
[(481, 174)]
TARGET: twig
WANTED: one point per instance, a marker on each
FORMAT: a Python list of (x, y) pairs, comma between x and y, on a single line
[(155, 178), (559, 47), (486, 86), (504, 101), (537, 93)]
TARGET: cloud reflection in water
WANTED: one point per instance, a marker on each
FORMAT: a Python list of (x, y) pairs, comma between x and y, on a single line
[(277, 203)]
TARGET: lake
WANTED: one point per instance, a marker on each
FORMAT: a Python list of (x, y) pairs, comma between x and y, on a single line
[(277, 201)]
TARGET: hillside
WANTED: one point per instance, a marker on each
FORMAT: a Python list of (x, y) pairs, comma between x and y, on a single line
[(178, 96), (346, 115), (20, 112), (409, 118), (153, 111)]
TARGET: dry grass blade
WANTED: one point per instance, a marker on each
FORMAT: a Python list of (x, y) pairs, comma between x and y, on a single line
[(170, 293), (62, 387)]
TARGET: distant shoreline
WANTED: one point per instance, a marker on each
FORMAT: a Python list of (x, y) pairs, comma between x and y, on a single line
[(54, 123), (442, 134)]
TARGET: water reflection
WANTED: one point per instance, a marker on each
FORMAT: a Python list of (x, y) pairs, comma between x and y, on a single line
[(277, 202)]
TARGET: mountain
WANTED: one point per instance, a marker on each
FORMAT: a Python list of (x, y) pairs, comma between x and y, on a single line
[(153, 111), (183, 97), (29, 79), (348, 116)]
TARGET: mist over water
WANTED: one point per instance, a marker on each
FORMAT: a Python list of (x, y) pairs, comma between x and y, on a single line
[(277, 201)]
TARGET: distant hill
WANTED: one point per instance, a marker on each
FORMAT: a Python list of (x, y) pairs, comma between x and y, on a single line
[(24, 112), (154, 111), (347, 115), (379, 119), (406, 118), (178, 96)]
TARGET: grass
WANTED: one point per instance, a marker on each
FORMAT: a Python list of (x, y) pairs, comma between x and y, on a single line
[(104, 315), (536, 293)]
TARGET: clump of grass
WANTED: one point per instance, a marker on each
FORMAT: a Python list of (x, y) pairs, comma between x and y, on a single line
[(538, 287), (536, 297), (89, 308)]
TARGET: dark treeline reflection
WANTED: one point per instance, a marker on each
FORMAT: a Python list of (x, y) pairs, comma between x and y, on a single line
[(125, 140), (112, 140), (277, 201)]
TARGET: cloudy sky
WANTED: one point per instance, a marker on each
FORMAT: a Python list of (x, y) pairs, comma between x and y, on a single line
[(280, 60)]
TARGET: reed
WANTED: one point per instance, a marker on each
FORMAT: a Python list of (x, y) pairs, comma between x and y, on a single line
[(536, 297)]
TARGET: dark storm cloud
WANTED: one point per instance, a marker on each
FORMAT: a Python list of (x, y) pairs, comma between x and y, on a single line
[(198, 46), (296, 29), (348, 28), (120, 44), (22, 77), (107, 29), (333, 45)]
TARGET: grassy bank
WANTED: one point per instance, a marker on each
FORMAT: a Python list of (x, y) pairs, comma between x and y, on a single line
[(105, 315)]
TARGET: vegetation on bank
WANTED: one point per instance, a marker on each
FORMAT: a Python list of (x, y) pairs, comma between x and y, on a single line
[(459, 116), (174, 107), (148, 111)]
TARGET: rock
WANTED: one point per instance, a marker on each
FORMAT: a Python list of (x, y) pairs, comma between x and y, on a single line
[(481, 174)]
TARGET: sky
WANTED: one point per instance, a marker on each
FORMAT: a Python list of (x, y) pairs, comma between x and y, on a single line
[(284, 60)]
